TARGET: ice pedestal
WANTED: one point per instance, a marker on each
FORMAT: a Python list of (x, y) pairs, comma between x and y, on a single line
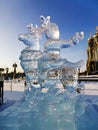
[(51, 109)]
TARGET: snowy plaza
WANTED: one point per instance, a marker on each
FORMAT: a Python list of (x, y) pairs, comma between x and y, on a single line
[(15, 92)]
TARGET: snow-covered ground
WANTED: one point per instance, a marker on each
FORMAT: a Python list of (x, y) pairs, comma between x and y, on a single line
[(91, 88), (15, 90)]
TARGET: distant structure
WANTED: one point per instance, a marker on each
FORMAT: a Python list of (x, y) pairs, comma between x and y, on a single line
[(92, 52), (1, 70), (14, 74)]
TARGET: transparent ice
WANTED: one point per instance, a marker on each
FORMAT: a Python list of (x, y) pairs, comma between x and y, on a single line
[(52, 102)]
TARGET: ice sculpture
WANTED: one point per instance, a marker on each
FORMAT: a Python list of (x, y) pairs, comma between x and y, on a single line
[(36, 63), (52, 79), (52, 102)]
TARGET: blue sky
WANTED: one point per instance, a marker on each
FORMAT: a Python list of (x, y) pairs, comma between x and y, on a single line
[(70, 15)]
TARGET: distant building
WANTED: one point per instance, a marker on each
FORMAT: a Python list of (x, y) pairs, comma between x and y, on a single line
[(92, 52)]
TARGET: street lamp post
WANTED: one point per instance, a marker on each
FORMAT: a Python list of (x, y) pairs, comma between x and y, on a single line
[(14, 74)]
